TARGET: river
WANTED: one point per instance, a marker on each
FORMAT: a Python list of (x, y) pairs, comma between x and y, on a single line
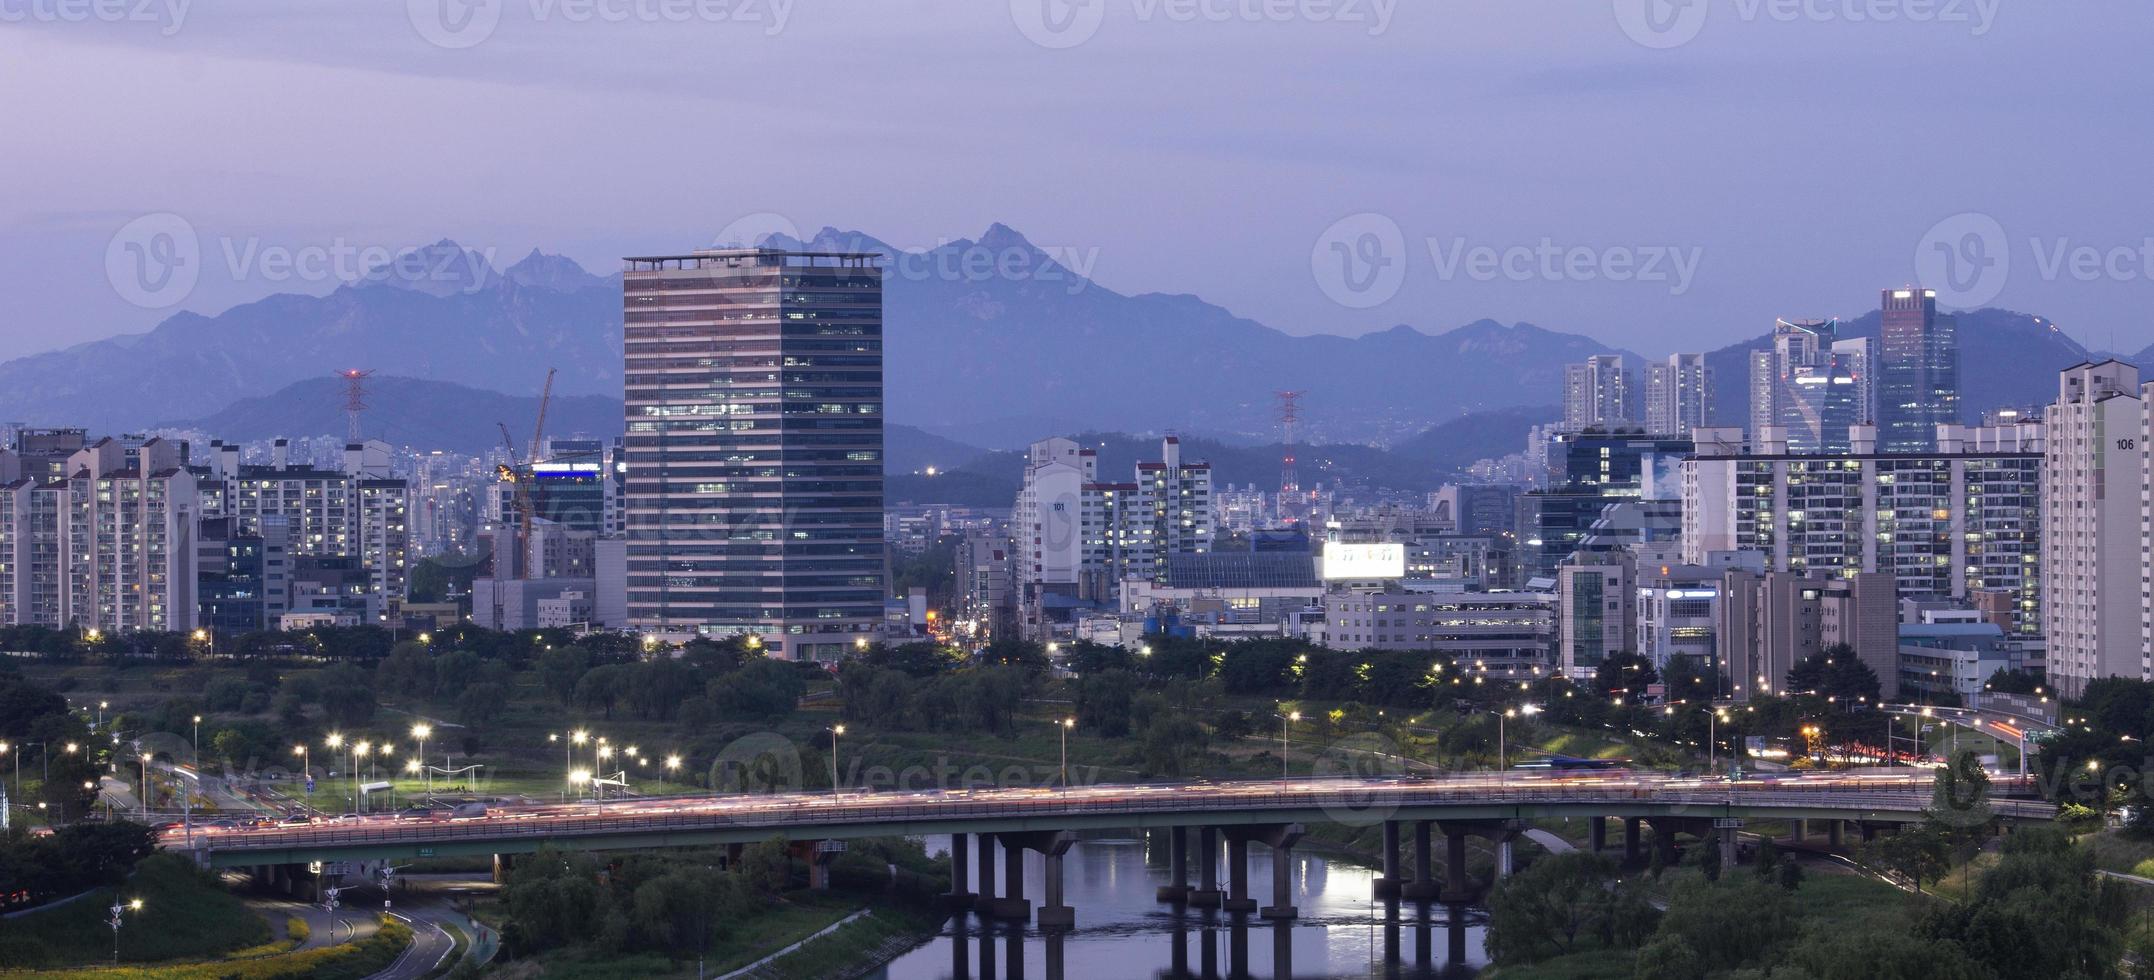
[(1123, 931)]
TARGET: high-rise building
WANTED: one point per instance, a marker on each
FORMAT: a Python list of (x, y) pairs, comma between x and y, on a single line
[(1596, 611), (109, 546), (1076, 538), (1678, 394), (2095, 566), (1918, 385), (1811, 384), (754, 393), (1597, 394), (1959, 520)]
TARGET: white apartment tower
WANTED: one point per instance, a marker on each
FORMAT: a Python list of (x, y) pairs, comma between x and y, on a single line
[(2095, 567), (1597, 394), (1678, 394)]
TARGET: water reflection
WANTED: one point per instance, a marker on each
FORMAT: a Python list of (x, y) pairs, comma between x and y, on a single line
[(1123, 931)]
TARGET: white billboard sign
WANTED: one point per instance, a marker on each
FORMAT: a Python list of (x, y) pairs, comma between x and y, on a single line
[(1363, 561)]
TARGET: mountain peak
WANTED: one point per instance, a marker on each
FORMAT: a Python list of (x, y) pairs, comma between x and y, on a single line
[(441, 269), (559, 273)]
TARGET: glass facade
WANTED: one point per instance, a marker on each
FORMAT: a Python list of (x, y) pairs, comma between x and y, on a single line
[(754, 397)]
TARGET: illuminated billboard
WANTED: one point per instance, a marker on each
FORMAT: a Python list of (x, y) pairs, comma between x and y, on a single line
[(1364, 561)]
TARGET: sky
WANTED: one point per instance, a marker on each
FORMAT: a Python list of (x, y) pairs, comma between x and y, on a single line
[(1660, 175)]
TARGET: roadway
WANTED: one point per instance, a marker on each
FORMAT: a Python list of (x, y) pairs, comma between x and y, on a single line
[(1899, 796)]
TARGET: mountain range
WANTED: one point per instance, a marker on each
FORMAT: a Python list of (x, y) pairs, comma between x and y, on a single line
[(993, 360)]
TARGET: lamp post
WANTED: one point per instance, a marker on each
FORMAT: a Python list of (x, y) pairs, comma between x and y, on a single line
[(335, 742), (306, 771), (1503, 747), (605, 752), (359, 751), (118, 913), (568, 753), (101, 706), (835, 731), (420, 731), (1065, 725), (1285, 719)]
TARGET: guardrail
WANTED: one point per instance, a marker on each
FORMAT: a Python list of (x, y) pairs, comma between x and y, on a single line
[(778, 813)]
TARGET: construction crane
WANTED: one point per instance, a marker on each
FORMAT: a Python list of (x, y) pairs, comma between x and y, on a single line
[(519, 477)]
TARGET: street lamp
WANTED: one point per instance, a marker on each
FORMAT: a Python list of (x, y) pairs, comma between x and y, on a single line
[(604, 752), (420, 731), (1065, 725), (198, 740), (119, 910), (359, 751), (835, 731), (579, 777), (306, 770), (1285, 720), (1503, 748)]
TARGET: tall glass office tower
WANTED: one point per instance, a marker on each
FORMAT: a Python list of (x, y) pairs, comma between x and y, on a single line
[(754, 392), (1919, 386)]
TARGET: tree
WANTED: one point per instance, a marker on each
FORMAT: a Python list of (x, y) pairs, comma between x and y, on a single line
[(560, 668), (347, 697), (764, 690), (1917, 852), (230, 745), (1546, 909), (1624, 672), (554, 898), (767, 866), (1835, 672), (481, 704)]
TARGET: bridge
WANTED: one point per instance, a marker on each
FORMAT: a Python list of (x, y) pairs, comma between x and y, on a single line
[(1271, 813)]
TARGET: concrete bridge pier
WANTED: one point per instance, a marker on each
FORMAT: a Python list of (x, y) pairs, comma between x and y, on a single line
[(985, 900), (1206, 894), (820, 854), (1282, 874), (1424, 886), (1596, 834), (1795, 832), (1388, 884), (1177, 887), (1867, 829), (1833, 829), (960, 862), (1456, 888), (1238, 899), (1727, 831), (1013, 906), (504, 864), (1632, 852), (1504, 859)]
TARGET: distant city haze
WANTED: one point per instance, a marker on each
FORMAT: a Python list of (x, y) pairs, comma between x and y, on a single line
[(1657, 185)]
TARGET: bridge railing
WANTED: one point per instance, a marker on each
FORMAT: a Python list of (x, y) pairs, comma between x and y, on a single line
[(780, 813)]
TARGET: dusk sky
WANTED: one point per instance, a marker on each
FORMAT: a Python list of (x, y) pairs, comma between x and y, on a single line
[(1782, 161)]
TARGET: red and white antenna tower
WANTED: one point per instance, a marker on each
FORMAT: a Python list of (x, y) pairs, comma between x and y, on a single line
[(1289, 481), (354, 401)]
